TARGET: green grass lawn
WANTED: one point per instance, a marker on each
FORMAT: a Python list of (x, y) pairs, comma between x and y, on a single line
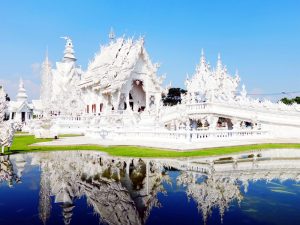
[(22, 144)]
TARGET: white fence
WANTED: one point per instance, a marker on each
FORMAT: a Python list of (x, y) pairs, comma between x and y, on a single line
[(185, 136)]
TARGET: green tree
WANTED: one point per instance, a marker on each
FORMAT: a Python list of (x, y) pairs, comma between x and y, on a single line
[(173, 97), (290, 101), (297, 100)]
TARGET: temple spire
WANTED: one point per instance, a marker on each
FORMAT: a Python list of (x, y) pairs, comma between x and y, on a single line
[(69, 55), (46, 81), (219, 62), (46, 62), (202, 59), (111, 34), (203, 66), (21, 96)]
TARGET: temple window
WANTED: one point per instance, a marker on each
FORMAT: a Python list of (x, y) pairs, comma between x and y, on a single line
[(93, 108)]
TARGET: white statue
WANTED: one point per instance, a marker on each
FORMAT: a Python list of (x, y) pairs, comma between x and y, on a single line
[(208, 85), (7, 129)]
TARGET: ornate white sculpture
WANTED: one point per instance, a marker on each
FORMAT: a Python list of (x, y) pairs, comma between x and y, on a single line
[(7, 129), (211, 85), (60, 93), (3, 104)]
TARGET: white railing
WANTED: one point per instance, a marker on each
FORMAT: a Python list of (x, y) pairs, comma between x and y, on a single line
[(181, 135), (197, 106)]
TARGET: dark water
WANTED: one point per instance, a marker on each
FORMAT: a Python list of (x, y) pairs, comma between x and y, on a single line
[(90, 188)]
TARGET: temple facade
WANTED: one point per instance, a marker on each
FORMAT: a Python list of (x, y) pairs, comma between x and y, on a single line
[(121, 77), (119, 97)]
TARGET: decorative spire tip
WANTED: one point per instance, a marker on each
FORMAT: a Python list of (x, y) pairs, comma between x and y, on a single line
[(111, 34)]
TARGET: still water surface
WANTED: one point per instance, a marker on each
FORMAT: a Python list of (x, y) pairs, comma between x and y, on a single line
[(91, 188)]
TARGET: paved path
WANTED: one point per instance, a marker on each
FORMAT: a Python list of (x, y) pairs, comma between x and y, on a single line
[(171, 144)]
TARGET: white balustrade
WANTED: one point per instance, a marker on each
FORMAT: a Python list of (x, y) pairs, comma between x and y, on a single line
[(186, 136)]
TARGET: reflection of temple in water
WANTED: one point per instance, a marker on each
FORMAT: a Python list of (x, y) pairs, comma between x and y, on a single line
[(119, 191), (222, 178), (7, 173), (123, 191)]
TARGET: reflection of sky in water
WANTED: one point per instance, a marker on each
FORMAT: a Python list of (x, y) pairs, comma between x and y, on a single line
[(80, 188)]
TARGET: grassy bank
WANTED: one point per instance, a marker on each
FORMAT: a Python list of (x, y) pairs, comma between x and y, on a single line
[(22, 144)]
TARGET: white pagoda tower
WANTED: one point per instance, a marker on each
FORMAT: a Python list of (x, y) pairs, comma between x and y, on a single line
[(65, 93), (22, 95), (20, 110)]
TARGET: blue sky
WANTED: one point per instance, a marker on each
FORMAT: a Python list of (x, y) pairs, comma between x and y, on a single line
[(260, 38)]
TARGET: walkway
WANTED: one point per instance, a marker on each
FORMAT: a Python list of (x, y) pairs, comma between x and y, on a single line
[(170, 144)]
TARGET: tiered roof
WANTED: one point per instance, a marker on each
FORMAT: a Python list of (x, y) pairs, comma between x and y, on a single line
[(113, 65), (212, 84)]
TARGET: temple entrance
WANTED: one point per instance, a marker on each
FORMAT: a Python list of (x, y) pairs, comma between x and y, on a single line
[(137, 96), (23, 116)]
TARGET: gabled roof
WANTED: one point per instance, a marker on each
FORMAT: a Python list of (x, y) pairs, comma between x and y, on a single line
[(113, 65), (17, 106)]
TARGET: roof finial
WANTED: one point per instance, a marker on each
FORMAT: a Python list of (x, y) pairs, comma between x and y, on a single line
[(69, 51), (21, 83), (46, 56), (219, 62), (111, 34), (202, 60), (236, 72), (21, 96)]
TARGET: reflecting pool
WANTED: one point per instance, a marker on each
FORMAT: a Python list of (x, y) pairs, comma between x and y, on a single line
[(91, 188)]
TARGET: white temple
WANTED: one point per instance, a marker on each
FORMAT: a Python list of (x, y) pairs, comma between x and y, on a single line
[(119, 97), (20, 110), (121, 77)]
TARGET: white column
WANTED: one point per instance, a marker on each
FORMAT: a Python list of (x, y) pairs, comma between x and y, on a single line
[(127, 101), (212, 120)]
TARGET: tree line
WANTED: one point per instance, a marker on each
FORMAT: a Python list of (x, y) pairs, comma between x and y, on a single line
[(290, 101)]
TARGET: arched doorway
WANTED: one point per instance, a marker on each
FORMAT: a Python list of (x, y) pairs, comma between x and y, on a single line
[(137, 96)]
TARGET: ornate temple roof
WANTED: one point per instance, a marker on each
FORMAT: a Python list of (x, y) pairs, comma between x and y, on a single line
[(214, 83), (113, 65), (21, 103)]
